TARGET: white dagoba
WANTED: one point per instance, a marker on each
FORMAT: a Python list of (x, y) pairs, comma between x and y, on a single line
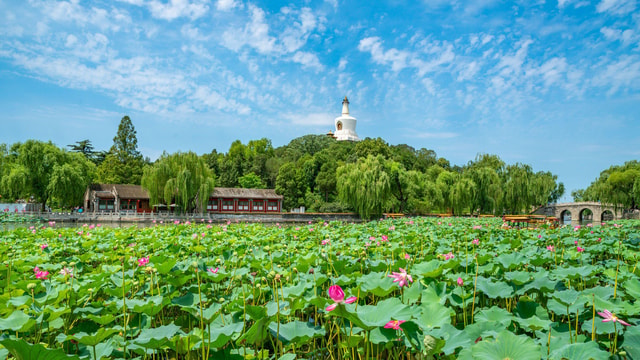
[(346, 124)]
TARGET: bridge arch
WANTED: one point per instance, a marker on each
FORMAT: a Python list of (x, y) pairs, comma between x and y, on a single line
[(565, 216), (585, 215), (607, 215)]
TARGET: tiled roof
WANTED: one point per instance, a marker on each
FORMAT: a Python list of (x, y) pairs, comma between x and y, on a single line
[(220, 192)]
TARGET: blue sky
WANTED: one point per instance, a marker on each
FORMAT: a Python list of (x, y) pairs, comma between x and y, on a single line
[(554, 84)]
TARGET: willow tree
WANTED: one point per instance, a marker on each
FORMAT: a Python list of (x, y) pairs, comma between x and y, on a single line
[(462, 195), (365, 186), (31, 172), (180, 178), (68, 181)]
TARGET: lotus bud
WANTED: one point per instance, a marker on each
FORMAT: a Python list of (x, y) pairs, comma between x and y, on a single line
[(218, 261), (31, 286), (258, 285), (221, 299), (194, 264), (295, 270)]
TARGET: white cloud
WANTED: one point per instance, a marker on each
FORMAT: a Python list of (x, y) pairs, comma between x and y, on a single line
[(226, 5), (211, 98), (255, 34), (295, 36), (621, 74), (401, 59), (307, 60), (373, 45), (177, 8), (73, 11), (510, 65), (617, 7), (625, 36), (311, 119), (342, 64)]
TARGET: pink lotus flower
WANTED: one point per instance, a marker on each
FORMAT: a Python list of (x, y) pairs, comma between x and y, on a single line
[(460, 282), (36, 269), (66, 272), (394, 324), (599, 239), (337, 295), (550, 248), (477, 227), (325, 242), (44, 246), (608, 316), (372, 238), (475, 242), (143, 261), (448, 256), (391, 228), (407, 257), (576, 242), (539, 236), (402, 278), (212, 270), (42, 275), (384, 238), (580, 249)]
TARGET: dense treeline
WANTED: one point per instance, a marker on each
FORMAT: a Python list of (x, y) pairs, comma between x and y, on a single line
[(315, 171), (618, 185)]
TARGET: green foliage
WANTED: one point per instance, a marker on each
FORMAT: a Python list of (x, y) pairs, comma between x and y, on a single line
[(251, 181), (44, 171), (180, 178), (290, 183), (69, 180), (269, 291), (124, 163), (365, 186), (618, 186)]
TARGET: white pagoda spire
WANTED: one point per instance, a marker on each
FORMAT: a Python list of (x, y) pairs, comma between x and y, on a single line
[(345, 106), (346, 124)]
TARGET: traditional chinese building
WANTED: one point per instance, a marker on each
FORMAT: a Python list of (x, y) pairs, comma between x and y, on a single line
[(116, 197), (244, 200)]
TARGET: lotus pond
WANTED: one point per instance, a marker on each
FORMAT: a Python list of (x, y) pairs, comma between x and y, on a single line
[(395, 289)]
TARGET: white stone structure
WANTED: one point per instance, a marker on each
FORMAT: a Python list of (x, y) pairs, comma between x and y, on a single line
[(346, 124)]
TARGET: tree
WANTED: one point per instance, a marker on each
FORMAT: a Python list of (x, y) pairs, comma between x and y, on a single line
[(365, 186), (125, 143), (517, 192), (326, 179), (181, 178), (69, 180), (462, 194), (251, 181), (373, 147), (84, 147), (290, 184), (44, 171), (444, 184), (124, 163), (30, 174)]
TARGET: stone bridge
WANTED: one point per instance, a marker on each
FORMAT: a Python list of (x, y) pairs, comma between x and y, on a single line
[(590, 211)]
